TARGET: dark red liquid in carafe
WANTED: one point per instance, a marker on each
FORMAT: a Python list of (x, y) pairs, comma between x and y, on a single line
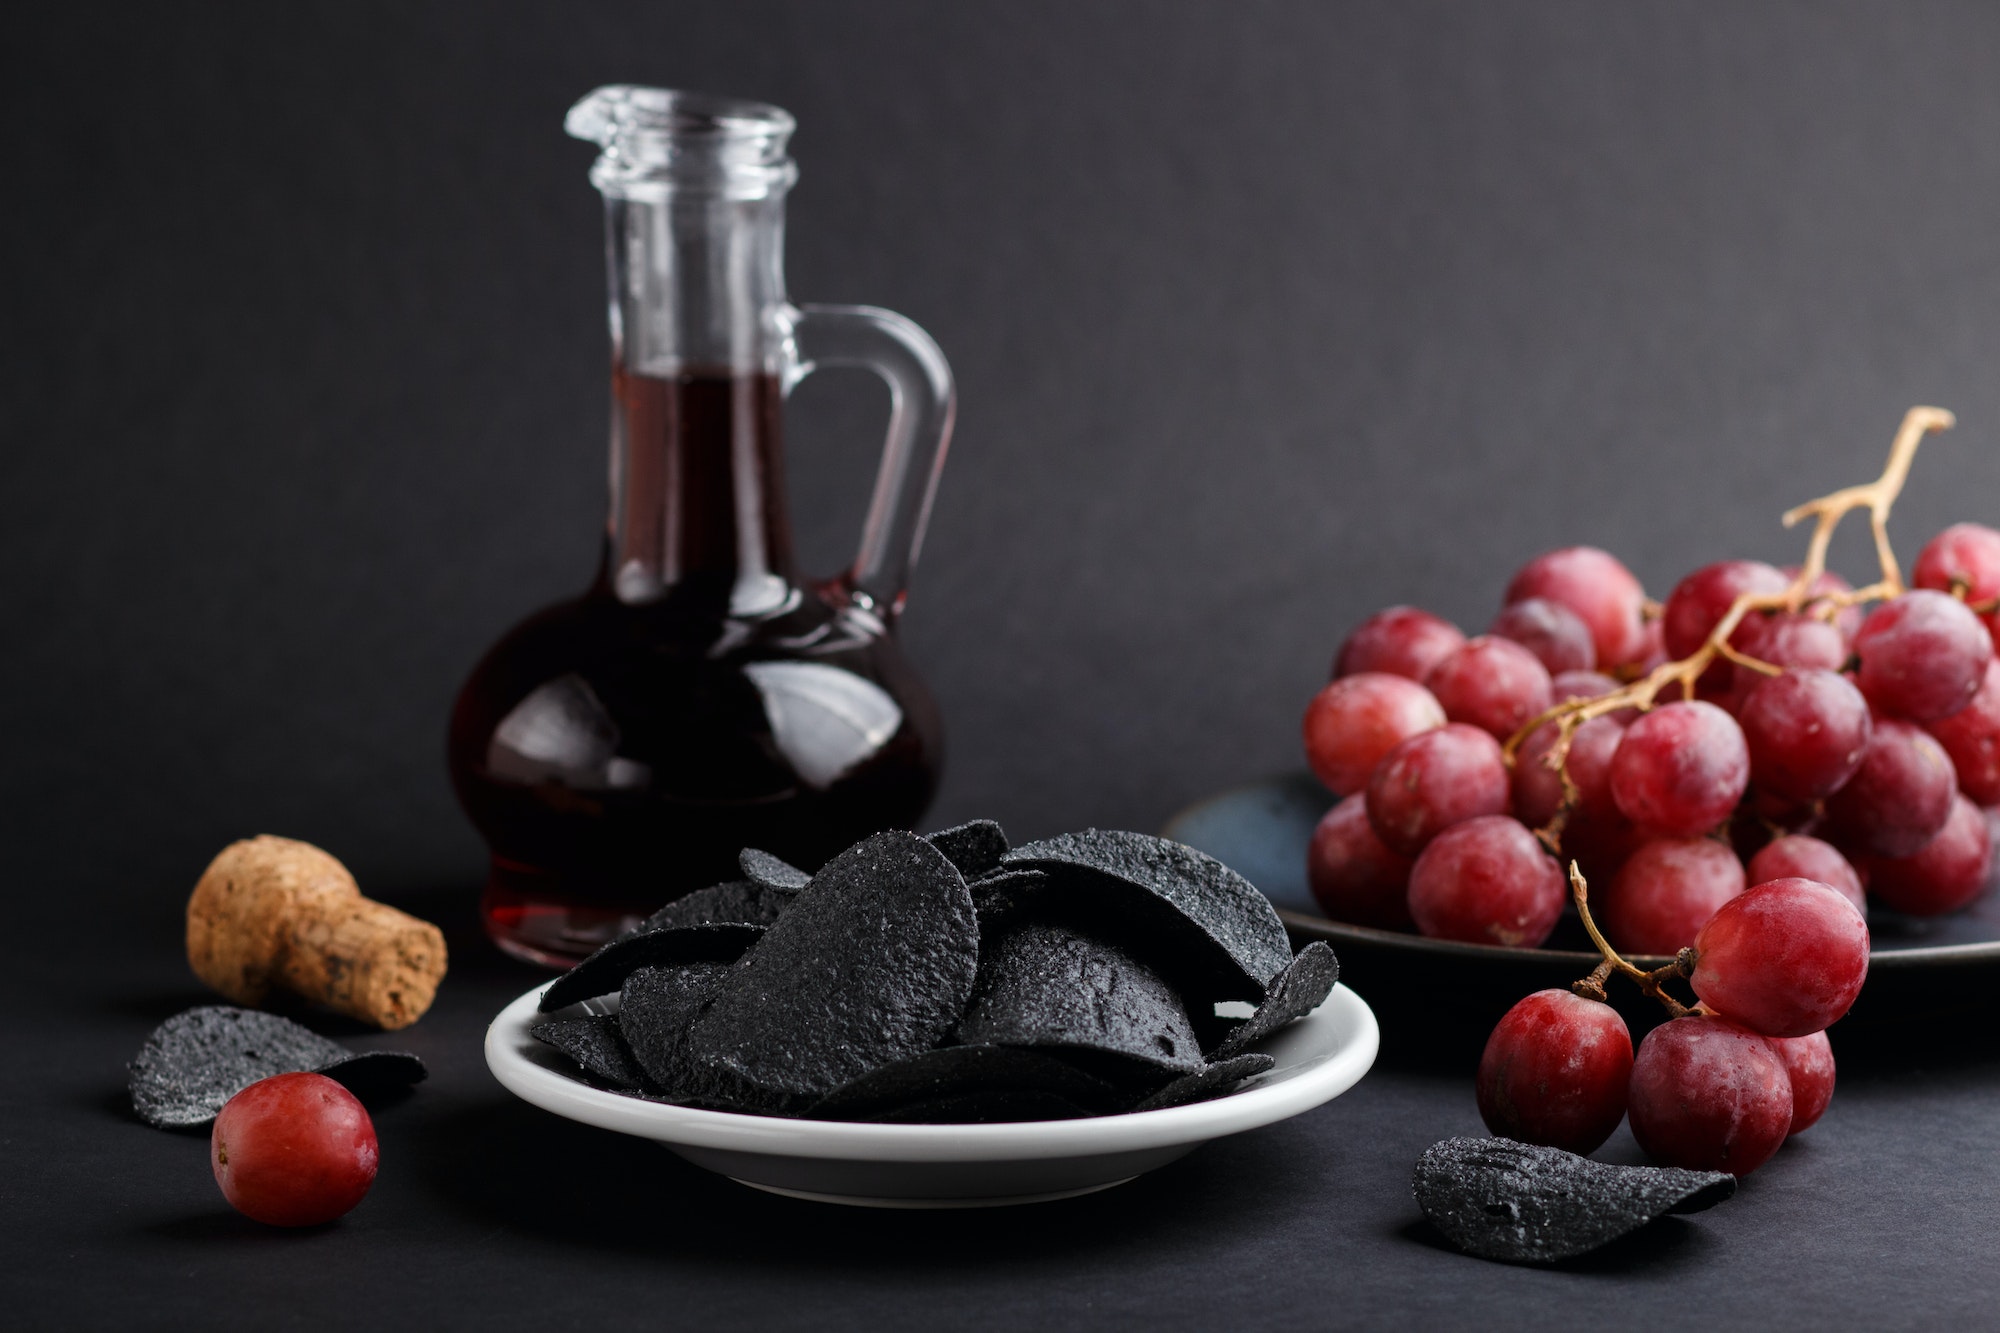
[(618, 750)]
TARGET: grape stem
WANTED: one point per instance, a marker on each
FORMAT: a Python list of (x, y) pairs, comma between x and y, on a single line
[(1876, 497), (1652, 983)]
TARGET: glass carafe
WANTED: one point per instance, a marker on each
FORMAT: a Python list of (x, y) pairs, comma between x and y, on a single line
[(701, 696)]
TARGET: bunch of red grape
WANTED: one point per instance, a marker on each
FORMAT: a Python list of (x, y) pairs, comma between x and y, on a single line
[(1717, 1089), (1854, 751)]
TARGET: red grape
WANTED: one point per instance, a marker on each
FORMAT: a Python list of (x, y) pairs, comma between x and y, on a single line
[(1923, 655), (1666, 891), (1600, 844), (1966, 553), (1652, 649), (1709, 1095), (1551, 631), (1567, 685), (1807, 731), (1353, 876), (1587, 685), (1357, 719), (1680, 769), (1487, 881), (1971, 736), (1809, 1068), (1432, 781), (1538, 788), (1402, 641), (1490, 683), (1785, 958), (1788, 639), (1599, 589), (1900, 796), (1848, 618), (1699, 601), (294, 1150), (1947, 873), (1798, 856), (1555, 1072)]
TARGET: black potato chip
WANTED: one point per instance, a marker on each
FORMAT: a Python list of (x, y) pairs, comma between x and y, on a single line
[(594, 1045), (197, 1060), (1183, 913), (772, 872), (871, 964), (1298, 990), (1523, 1204), (999, 895), (951, 1072), (655, 1009), (736, 902), (1043, 985), (975, 848), (1209, 1081), (605, 971)]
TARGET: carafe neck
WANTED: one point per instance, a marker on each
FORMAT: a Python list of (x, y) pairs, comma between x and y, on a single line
[(694, 192)]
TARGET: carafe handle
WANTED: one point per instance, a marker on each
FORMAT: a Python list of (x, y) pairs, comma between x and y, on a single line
[(922, 403)]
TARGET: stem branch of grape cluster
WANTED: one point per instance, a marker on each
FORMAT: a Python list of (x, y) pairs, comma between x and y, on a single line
[(1877, 497), (1652, 983)]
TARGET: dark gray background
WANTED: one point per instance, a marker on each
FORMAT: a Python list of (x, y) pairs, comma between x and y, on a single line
[(1264, 315)]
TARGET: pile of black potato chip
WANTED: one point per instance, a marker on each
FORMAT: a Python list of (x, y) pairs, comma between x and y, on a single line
[(946, 979)]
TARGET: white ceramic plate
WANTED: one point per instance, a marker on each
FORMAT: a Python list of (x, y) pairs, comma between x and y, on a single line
[(949, 1166)]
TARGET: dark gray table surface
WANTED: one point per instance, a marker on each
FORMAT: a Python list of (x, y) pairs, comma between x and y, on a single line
[(1264, 315)]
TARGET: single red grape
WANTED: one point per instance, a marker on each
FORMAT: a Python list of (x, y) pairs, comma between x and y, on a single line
[(1487, 881), (1551, 631), (1788, 639), (1900, 796), (1432, 781), (1809, 1067), (1964, 553), (1666, 891), (1538, 788), (1971, 736), (1402, 641), (1699, 601), (1555, 1072), (1848, 618), (1807, 731), (1923, 655), (1357, 719), (1652, 649), (1353, 876), (1947, 873), (1599, 589), (1491, 683), (1784, 958), (1709, 1095), (1800, 856), (1567, 685), (1680, 769), (294, 1150)]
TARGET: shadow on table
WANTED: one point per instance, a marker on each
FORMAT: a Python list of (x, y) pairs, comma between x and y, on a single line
[(514, 1166)]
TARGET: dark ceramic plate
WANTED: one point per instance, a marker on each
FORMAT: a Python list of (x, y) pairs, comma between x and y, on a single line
[(1262, 831)]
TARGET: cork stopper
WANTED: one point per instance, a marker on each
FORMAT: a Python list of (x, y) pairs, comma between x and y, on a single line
[(276, 914)]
